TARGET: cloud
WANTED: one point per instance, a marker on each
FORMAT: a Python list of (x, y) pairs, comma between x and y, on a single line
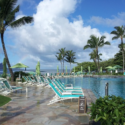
[(51, 31), (114, 21)]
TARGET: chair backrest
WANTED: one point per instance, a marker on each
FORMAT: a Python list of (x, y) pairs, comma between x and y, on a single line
[(49, 80), (42, 79), (35, 78), (6, 83), (25, 78), (55, 90), (59, 87)]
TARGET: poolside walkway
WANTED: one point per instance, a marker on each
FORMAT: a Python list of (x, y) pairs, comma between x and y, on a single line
[(33, 110)]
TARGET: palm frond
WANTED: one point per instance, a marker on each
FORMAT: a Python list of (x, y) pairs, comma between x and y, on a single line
[(115, 37), (11, 17), (22, 21)]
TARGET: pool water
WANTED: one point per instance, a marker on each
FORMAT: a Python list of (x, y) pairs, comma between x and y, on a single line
[(97, 85)]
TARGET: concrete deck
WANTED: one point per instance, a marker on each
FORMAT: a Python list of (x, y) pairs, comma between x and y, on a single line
[(32, 109)]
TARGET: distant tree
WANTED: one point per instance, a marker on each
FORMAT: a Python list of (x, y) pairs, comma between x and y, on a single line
[(59, 58), (119, 32), (94, 43), (70, 57), (94, 57), (7, 19), (63, 54)]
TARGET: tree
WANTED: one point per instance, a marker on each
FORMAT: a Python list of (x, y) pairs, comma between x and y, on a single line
[(59, 58), (119, 32), (70, 57), (4, 68), (94, 43), (63, 54), (93, 55), (7, 18)]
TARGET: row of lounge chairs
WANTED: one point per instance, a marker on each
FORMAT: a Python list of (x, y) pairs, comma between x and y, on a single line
[(62, 92)]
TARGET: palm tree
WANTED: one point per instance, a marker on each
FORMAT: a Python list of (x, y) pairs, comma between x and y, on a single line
[(94, 43), (59, 58), (93, 55), (119, 32), (70, 57), (63, 53), (7, 18)]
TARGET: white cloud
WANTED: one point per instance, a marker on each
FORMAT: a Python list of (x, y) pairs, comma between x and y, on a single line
[(115, 21), (51, 31)]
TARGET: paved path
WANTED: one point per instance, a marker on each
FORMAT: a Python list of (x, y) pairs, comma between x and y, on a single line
[(33, 110)]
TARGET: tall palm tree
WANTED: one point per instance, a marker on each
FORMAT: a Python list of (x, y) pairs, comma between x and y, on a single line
[(93, 55), (63, 53), (119, 32), (59, 58), (7, 18), (70, 57), (94, 43)]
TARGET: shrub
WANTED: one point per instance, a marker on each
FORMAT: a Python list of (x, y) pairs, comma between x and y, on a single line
[(16, 74), (109, 110)]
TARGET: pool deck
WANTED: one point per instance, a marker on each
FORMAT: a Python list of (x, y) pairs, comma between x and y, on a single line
[(32, 109)]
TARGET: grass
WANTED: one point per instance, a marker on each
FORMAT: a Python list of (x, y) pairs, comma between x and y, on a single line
[(4, 100)]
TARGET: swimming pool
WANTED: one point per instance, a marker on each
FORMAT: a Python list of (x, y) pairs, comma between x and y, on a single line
[(97, 85)]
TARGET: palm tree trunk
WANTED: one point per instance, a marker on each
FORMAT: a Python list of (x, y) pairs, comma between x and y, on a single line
[(122, 53), (5, 54), (98, 60), (63, 65), (70, 68), (95, 63)]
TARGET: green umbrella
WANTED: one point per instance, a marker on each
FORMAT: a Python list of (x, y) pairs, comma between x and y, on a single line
[(89, 69), (19, 65), (66, 69), (81, 69), (32, 73), (101, 69), (117, 67), (110, 68), (38, 69), (57, 69)]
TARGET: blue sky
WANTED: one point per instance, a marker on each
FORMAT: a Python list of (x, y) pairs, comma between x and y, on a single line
[(62, 23)]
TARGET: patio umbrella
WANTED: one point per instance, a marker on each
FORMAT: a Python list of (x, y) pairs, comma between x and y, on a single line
[(57, 69), (117, 67), (81, 69), (66, 69), (89, 69), (19, 65), (101, 69), (38, 69), (32, 73), (110, 68)]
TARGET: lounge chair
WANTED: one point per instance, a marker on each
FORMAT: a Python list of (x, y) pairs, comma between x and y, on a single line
[(27, 81), (63, 85), (60, 97), (64, 91), (9, 87), (3, 90)]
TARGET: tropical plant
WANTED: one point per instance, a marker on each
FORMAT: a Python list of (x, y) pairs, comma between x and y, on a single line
[(70, 57), (94, 43), (63, 54), (93, 55), (4, 68), (7, 18), (119, 32), (108, 110), (59, 58)]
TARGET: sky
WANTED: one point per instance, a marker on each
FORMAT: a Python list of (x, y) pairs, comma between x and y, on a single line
[(62, 24)]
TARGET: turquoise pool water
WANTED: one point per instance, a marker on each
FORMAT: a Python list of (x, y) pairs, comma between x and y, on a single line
[(97, 85)]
